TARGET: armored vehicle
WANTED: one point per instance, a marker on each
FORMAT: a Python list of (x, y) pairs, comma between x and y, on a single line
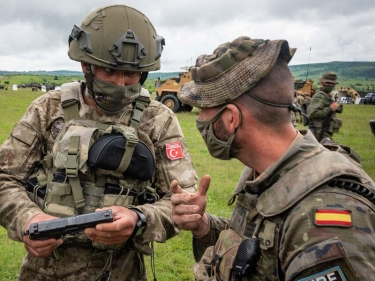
[(166, 91), (305, 86), (347, 92)]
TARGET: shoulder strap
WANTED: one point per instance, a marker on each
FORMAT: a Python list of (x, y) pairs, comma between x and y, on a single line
[(315, 172), (139, 105), (70, 100)]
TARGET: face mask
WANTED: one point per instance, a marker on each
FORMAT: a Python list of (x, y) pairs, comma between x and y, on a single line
[(217, 148), (328, 89), (111, 99)]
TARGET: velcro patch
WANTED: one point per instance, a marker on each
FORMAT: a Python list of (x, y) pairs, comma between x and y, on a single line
[(333, 217), (334, 273), (174, 150)]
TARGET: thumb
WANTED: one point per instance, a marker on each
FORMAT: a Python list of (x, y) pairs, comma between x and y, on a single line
[(204, 185), (176, 188)]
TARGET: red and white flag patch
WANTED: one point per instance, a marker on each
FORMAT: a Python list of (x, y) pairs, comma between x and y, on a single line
[(174, 150)]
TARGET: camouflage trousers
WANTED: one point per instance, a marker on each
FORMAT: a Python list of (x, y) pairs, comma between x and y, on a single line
[(71, 263)]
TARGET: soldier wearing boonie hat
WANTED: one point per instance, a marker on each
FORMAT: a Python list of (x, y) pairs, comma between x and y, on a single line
[(233, 68), (322, 109), (293, 219)]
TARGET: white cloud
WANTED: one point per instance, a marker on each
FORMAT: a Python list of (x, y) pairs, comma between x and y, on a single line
[(35, 32)]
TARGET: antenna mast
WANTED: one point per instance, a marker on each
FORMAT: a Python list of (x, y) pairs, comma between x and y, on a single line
[(308, 64)]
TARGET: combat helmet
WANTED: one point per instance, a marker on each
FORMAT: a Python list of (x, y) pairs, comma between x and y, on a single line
[(117, 37)]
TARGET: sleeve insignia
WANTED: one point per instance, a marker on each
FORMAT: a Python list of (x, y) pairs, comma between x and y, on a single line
[(174, 150), (333, 217), (334, 273)]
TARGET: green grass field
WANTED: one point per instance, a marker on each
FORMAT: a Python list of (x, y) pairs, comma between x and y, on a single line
[(173, 259)]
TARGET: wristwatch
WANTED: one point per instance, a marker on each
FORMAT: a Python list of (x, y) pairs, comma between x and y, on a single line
[(140, 225)]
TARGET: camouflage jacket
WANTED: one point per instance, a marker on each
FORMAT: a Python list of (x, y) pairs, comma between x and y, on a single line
[(316, 224), (320, 114), (34, 136)]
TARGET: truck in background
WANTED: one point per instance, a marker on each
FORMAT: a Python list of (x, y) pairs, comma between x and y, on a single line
[(166, 91)]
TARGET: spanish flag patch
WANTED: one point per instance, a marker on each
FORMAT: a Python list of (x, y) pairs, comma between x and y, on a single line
[(333, 217)]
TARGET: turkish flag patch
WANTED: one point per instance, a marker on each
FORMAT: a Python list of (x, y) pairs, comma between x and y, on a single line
[(174, 150), (333, 217)]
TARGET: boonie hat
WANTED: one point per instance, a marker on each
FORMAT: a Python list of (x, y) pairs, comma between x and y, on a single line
[(233, 68), (329, 76)]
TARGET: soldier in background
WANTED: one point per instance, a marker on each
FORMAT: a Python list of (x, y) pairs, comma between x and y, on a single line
[(299, 101), (50, 146), (322, 109), (300, 211)]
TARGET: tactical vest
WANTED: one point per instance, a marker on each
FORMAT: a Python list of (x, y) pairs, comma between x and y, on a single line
[(329, 126), (93, 165), (270, 210)]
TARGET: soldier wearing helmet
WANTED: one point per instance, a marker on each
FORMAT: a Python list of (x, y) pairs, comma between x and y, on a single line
[(322, 109), (299, 214), (99, 144)]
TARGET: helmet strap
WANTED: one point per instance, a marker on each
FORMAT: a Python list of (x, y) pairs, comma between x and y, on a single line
[(89, 79), (143, 77)]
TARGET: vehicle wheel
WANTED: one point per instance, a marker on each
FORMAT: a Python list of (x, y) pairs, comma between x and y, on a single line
[(171, 102)]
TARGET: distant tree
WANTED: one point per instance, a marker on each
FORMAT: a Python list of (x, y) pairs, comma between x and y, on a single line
[(56, 78), (6, 82)]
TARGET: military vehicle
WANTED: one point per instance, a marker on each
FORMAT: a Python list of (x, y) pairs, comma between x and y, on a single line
[(305, 86), (369, 98), (166, 91), (347, 92)]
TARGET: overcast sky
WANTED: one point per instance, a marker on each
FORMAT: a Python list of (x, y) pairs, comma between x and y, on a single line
[(34, 33)]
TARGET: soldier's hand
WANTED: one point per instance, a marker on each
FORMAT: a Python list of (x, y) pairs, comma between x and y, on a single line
[(334, 106), (116, 232), (188, 209), (40, 248)]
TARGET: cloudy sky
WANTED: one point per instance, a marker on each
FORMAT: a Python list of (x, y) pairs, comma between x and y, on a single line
[(34, 33)]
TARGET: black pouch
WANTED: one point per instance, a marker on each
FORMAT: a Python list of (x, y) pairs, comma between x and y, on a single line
[(116, 189), (33, 185), (107, 153), (372, 126)]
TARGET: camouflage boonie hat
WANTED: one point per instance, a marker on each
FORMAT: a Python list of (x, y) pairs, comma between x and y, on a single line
[(329, 76), (233, 68)]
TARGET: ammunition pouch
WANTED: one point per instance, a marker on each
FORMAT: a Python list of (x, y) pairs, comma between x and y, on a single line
[(335, 125), (229, 260), (36, 189)]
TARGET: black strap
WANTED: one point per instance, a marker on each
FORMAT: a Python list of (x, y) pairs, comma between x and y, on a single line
[(357, 188)]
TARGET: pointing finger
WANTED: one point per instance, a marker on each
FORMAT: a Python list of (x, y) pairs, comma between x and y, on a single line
[(204, 185)]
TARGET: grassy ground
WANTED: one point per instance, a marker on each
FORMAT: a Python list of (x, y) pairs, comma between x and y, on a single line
[(173, 259)]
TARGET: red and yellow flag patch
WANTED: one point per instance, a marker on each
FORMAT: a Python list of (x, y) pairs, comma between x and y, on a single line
[(333, 217)]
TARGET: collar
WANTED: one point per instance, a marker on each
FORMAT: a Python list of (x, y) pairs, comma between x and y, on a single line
[(304, 141)]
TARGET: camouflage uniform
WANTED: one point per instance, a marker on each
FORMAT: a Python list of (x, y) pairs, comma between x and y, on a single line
[(299, 101), (295, 244), (34, 136), (318, 112)]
